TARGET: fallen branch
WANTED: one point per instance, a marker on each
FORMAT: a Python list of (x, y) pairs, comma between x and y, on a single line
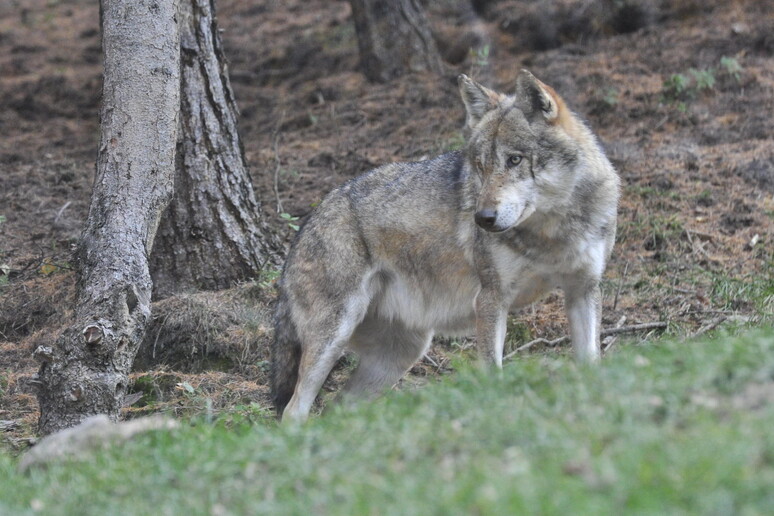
[(604, 333), (709, 326), (634, 327), (555, 342), (698, 312)]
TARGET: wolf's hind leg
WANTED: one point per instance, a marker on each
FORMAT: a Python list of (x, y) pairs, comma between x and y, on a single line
[(317, 361), (321, 349), (387, 349)]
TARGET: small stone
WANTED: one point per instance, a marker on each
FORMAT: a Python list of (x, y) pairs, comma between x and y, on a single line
[(92, 434), (739, 28)]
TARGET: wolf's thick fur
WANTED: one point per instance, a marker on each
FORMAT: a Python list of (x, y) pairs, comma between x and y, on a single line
[(448, 246)]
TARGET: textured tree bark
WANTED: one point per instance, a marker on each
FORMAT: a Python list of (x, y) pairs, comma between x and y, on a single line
[(394, 38), (85, 372), (212, 234)]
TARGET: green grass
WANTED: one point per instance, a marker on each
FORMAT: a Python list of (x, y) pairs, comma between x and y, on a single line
[(667, 428), (752, 292)]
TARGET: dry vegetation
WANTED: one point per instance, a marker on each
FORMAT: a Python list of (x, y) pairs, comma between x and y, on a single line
[(680, 93)]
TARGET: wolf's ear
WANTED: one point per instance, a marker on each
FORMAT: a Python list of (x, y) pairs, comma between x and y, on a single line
[(536, 98), (478, 99)]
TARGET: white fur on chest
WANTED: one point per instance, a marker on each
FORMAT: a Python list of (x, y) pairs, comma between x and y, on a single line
[(447, 305), (524, 280)]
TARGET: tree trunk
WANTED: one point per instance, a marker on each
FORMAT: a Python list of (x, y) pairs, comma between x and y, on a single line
[(212, 234), (394, 38), (85, 372)]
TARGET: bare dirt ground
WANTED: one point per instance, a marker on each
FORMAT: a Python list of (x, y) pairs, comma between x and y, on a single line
[(680, 94)]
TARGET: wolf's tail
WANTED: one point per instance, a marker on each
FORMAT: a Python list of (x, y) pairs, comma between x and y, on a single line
[(285, 356)]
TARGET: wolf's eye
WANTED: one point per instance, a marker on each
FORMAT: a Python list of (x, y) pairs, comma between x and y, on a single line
[(513, 161), (479, 166)]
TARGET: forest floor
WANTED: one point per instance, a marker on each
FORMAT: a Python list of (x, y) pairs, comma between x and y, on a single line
[(680, 95)]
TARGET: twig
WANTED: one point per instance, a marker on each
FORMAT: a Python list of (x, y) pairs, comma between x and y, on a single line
[(131, 399), (703, 251), (432, 362), (699, 245), (695, 312), (682, 290), (611, 339), (555, 342), (604, 333), (709, 326), (701, 234), (661, 122), (277, 162), (620, 284), (61, 211), (634, 327)]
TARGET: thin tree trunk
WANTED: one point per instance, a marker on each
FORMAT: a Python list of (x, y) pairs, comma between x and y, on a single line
[(85, 372), (212, 234), (394, 38)]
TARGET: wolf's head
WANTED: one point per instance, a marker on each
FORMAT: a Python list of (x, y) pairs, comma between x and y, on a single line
[(524, 149)]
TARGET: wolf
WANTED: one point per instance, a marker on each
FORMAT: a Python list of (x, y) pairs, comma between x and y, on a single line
[(448, 246)]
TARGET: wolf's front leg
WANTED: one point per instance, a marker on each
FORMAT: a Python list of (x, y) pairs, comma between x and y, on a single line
[(583, 304), (491, 317)]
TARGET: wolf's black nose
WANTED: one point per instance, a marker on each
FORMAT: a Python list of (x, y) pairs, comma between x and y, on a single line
[(486, 218)]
